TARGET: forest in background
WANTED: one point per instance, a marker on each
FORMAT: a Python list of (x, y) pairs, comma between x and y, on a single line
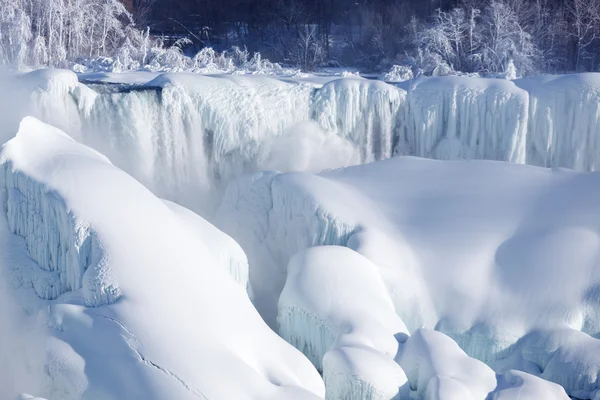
[(431, 37)]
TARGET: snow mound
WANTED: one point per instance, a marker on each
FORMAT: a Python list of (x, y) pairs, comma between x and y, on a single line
[(59, 241), (437, 369), (523, 386), (321, 301), (139, 265), (334, 308)]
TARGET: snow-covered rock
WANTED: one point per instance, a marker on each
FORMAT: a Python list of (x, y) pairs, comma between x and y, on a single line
[(167, 322), (523, 386), (332, 291), (335, 309), (437, 369), (481, 263)]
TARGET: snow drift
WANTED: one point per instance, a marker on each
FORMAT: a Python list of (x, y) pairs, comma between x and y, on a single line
[(143, 309)]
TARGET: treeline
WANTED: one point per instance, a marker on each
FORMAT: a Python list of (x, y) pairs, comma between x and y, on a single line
[(428, 35)]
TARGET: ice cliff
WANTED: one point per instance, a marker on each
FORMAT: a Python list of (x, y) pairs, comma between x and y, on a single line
[(183, 135)]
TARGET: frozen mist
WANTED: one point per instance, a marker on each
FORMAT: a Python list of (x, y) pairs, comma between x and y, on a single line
[(339, 265)]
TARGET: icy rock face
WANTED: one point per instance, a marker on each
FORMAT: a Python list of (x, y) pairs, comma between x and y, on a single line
[(520, 385), (452, 117), (564, 121), (437, 369), (259, 213), (184, 131), (228, 254), (368, 113), (62, 244)]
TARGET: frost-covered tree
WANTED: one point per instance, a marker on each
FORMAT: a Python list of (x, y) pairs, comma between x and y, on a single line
[(57, 32)]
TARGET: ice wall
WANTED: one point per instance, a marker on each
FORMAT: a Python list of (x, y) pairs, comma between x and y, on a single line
[(565, 121), (367, 113), (63, 245), (455, 117), (185, 135)]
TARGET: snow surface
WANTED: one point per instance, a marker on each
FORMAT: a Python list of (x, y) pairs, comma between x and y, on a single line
[(478, 262), (481, 263), (145, 310)]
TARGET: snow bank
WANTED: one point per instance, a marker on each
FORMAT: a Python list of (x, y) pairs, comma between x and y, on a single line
[(167, 322), (334, 308), (481, 263)]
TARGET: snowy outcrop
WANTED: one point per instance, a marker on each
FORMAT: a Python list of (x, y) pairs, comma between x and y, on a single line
[(166, 316), (437, 369), (334, 308), (455, 117)]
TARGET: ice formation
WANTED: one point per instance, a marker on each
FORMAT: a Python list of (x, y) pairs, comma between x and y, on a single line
[(483, 262), (368, 113), (146, 312), (437, 369), (334, 307), (319, 303), (362, 373), (456, 117)]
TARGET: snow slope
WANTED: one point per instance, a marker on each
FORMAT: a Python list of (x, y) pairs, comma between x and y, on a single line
[(510, 271), (143, 308)]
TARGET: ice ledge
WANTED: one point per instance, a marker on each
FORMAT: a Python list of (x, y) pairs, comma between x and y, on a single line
[(64, 246)]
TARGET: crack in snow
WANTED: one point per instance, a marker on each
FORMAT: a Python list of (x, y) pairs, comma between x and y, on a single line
[(149, 362)]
